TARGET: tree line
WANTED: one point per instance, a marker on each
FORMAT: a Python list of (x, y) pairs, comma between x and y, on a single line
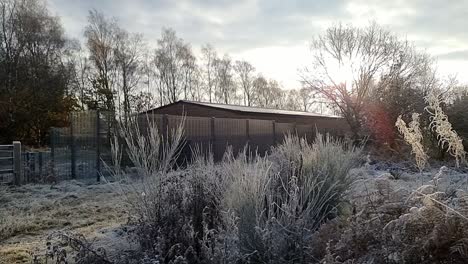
[(368, 75), (118, 72), (44, 75)]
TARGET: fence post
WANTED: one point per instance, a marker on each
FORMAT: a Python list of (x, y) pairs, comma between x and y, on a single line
[(273, 123), (295, 129), (72, 148), (98, 150), (52, 151), (17, 162), (213, 136), (41, 163)]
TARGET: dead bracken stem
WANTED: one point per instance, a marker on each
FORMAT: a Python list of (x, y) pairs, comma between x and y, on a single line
[(446, 136), (413, 136)]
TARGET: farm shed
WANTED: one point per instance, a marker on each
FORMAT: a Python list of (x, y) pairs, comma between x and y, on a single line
[(222, 125)]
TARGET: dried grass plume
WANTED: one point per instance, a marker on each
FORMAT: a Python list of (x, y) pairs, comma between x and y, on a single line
[(446, 136), (413, 136)]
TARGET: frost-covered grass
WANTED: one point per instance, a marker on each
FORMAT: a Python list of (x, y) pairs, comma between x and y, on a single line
[(29, 213), (381, 217), (304, 202), (246, 208), (400, 219)]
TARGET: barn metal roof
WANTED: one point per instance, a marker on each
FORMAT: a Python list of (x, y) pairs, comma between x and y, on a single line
[(252, 109)]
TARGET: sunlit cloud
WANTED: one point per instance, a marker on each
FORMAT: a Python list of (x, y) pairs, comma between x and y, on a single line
[(274, 34)]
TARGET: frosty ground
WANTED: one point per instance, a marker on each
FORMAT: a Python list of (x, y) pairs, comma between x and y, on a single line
[(30, 214)]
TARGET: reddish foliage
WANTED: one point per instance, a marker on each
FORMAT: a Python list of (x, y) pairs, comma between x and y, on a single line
[(379, 123)]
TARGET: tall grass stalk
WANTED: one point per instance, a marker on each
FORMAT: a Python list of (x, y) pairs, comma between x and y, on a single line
[(447, 137)]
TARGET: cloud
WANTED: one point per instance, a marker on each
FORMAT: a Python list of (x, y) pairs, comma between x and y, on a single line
[(455, 55), (244, 28)]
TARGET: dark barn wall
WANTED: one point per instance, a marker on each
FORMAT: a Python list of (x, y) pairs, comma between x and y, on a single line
[(189, 109), (210, 127)]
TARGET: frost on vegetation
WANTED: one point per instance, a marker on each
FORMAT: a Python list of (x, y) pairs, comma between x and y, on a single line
[(447, 137), (246, 209), (427, 225), (413, 136)]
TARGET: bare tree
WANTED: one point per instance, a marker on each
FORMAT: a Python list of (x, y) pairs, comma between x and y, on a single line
[(262, 92), (148, 74), (278, 94), (189, 71), (349, 62), (245, 72), (307, 96), (101, 41), (209, 58), (196, 85), (268, 93), (171, 61), (82, 76), (128, 64), (292, 100), (143, 101), (226, 87)]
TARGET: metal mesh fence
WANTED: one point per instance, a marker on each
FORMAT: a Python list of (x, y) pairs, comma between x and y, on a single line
[(78, 151), (6, 163)]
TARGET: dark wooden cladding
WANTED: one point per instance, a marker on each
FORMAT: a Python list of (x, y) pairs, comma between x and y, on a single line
[(193, 109), (217, 129)]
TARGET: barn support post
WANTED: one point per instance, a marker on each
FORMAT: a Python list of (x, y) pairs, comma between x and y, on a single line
[(98, 146), (273, 128), (72, 148), (213, 137), (17, 172), (247, 131), (165, 127)]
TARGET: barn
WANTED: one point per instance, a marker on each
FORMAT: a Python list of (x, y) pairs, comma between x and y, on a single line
[(222, 125)]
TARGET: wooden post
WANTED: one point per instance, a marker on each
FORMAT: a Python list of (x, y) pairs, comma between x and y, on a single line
[(98, 149), (52, 145), (247, 132), (41, 163), (72, 148), (273, 123), (213, 137), (52, 151), (295, 129), (165, 128), (17, 162)]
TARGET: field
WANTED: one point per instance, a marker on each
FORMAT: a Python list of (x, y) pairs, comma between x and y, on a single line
[(30, 214)]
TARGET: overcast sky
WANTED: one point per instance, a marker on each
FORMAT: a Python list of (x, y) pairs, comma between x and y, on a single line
[(274, 34)]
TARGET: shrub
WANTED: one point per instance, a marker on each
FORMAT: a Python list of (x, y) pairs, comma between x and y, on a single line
[(427, 225), (282, 199), (246, 209), (175, 212)]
